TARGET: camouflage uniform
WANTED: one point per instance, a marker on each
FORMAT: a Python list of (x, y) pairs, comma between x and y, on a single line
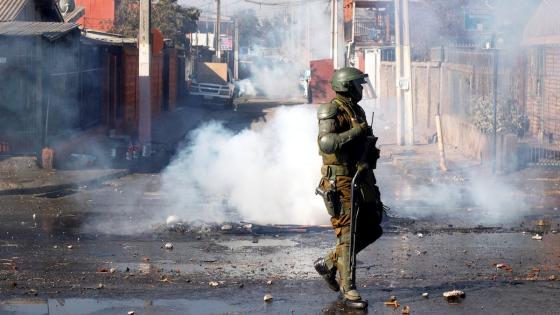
[(346, 119)]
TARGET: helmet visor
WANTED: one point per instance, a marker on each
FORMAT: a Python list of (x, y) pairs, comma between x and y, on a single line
[(364, 85)]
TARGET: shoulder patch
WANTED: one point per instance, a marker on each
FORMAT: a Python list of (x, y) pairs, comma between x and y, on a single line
[(327, 110)]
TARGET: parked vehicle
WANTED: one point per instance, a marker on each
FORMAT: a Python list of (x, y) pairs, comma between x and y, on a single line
[(213, 83)]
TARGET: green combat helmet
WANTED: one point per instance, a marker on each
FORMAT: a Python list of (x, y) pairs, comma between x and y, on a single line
[(352, 81)]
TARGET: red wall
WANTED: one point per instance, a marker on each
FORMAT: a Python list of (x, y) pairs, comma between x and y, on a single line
[(98, 15), (320, 84)]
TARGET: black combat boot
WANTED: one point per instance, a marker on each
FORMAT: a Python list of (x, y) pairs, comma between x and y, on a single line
[(352, 299), (328, 275)]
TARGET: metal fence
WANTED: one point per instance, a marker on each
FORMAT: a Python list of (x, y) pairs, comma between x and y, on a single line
[(545, 152)]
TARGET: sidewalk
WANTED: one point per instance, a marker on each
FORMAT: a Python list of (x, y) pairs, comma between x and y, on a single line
[(35, 180), (422, 161), (22, 175)]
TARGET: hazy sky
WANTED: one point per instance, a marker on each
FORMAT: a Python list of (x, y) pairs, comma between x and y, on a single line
[(230, 6)]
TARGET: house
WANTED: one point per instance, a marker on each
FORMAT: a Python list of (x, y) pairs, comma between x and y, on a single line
[(38, 67), (29, 10), (98, 14), (542, 40)]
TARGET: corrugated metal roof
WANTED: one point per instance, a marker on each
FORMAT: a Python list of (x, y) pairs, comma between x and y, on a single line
[(107, 38), (73, 16), (544, 26), (50, 30), (10, 9)]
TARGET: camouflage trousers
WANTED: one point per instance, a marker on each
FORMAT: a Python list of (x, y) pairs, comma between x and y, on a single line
[(368, 228)]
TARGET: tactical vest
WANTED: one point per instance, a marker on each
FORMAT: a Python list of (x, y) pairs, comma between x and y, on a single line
[(343, 162)]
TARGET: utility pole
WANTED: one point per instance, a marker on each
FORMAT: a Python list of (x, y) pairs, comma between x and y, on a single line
[(307, 38), (336, 43), (217, 35), (495, 110), (144, 86), (236, 51), (405, 111)]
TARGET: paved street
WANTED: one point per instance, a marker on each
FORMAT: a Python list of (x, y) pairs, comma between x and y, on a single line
[(100, 249)]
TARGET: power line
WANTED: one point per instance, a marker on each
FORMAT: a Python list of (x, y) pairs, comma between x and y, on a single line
[(284, 3)]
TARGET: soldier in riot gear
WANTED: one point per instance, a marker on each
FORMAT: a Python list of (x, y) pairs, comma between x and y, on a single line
[(347, 146)]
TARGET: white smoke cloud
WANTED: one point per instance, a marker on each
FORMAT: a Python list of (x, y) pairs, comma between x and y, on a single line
[(262, 175)]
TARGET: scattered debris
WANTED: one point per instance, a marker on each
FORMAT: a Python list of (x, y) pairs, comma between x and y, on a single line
[(420, 235), (168, 246), (213, 283), (406, 310), (394, 304), (453, 295), (269, 282), (505, 267), (537, 237), (267, 298), (425, 295), (226, 227)]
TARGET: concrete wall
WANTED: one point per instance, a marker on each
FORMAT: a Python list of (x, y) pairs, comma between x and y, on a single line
[(543, 91), (452, 95)]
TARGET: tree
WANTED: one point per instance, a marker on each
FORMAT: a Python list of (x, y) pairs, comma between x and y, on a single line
[(250, 27), (172, 19)]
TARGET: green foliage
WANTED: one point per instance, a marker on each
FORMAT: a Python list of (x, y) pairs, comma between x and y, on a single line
[(173, 20), (249, 25), (262, 32), (508, 117)]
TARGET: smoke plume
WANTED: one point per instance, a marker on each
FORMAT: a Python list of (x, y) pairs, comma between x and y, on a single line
[(262, 175)]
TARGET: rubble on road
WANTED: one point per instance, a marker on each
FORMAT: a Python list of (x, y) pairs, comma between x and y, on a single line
[(406, 310), (453, 295), (505, 267), (213, 283), (537, 237), (392, 302)]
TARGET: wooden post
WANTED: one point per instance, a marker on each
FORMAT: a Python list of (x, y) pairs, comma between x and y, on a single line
[(144, 82), (441, 148)]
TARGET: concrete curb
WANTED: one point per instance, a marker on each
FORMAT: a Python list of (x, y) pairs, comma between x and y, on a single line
[(50, 188)]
